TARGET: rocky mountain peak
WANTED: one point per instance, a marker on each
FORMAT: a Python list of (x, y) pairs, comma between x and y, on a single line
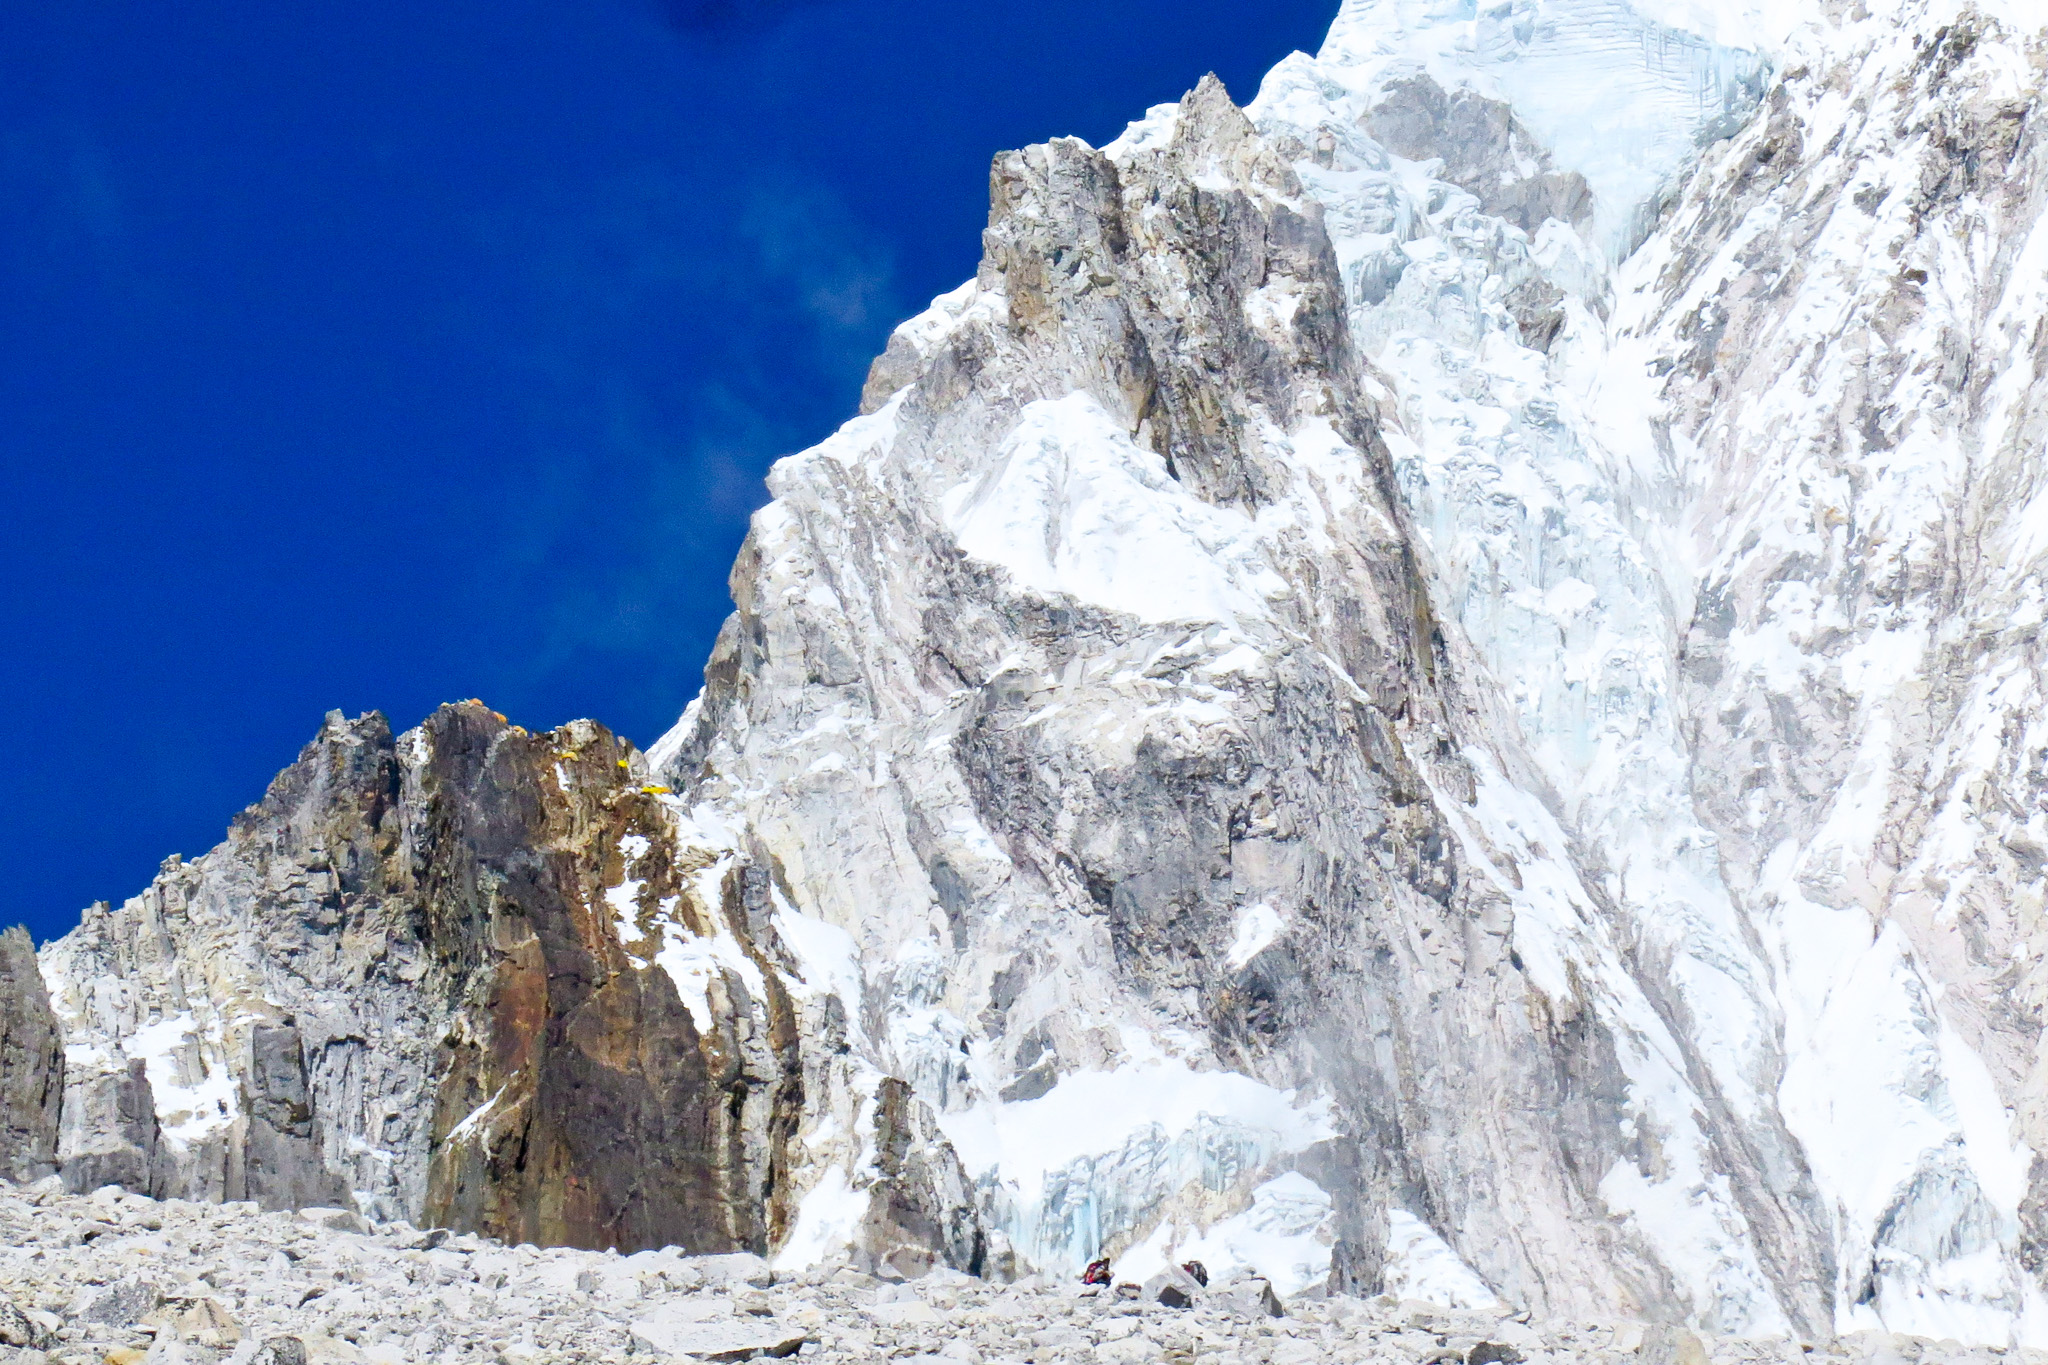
[(1428, 685)]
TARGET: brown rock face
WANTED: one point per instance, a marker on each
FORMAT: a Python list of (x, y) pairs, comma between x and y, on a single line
[(416, 976), (31, 1063), (579, 1104)]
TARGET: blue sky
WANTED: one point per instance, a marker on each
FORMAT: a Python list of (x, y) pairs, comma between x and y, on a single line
[(369, 356)]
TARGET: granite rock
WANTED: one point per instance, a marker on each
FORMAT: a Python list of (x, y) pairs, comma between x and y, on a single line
[(31, 1064)]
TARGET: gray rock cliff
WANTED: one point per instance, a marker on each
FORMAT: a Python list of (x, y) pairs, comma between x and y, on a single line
[(31, 1063)]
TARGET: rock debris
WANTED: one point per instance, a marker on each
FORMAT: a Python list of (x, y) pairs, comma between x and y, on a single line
[(113, 1278)]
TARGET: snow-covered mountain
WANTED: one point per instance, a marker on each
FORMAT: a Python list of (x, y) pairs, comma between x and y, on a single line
[(1431, 684)]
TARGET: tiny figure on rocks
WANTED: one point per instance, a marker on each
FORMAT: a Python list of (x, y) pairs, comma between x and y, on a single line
[(1097, 1272), (1197, 1272)]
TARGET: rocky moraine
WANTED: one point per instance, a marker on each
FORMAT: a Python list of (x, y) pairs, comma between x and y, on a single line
[(128, 1280)]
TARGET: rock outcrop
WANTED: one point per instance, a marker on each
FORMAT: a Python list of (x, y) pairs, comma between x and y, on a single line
[(31, 1063), (403, 985), (275, 1289)]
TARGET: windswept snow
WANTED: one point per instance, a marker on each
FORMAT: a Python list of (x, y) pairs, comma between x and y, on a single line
[(1421, 1265), (1073, 506), (196, 1094)]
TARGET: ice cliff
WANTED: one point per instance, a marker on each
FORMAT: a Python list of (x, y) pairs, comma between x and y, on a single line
[(1434, 683)]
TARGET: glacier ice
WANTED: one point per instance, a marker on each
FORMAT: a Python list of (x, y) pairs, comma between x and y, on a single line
[(1622, 91)]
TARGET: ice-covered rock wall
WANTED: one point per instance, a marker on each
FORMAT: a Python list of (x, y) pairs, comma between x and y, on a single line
[(1721, 543), (1624, 92), (1122, 684), (1845, 315)]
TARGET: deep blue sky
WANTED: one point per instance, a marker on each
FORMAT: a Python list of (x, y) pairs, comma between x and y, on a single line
[(365, 355)]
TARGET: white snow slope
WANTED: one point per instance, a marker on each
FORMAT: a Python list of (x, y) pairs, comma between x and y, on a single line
[(1585, 513)]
